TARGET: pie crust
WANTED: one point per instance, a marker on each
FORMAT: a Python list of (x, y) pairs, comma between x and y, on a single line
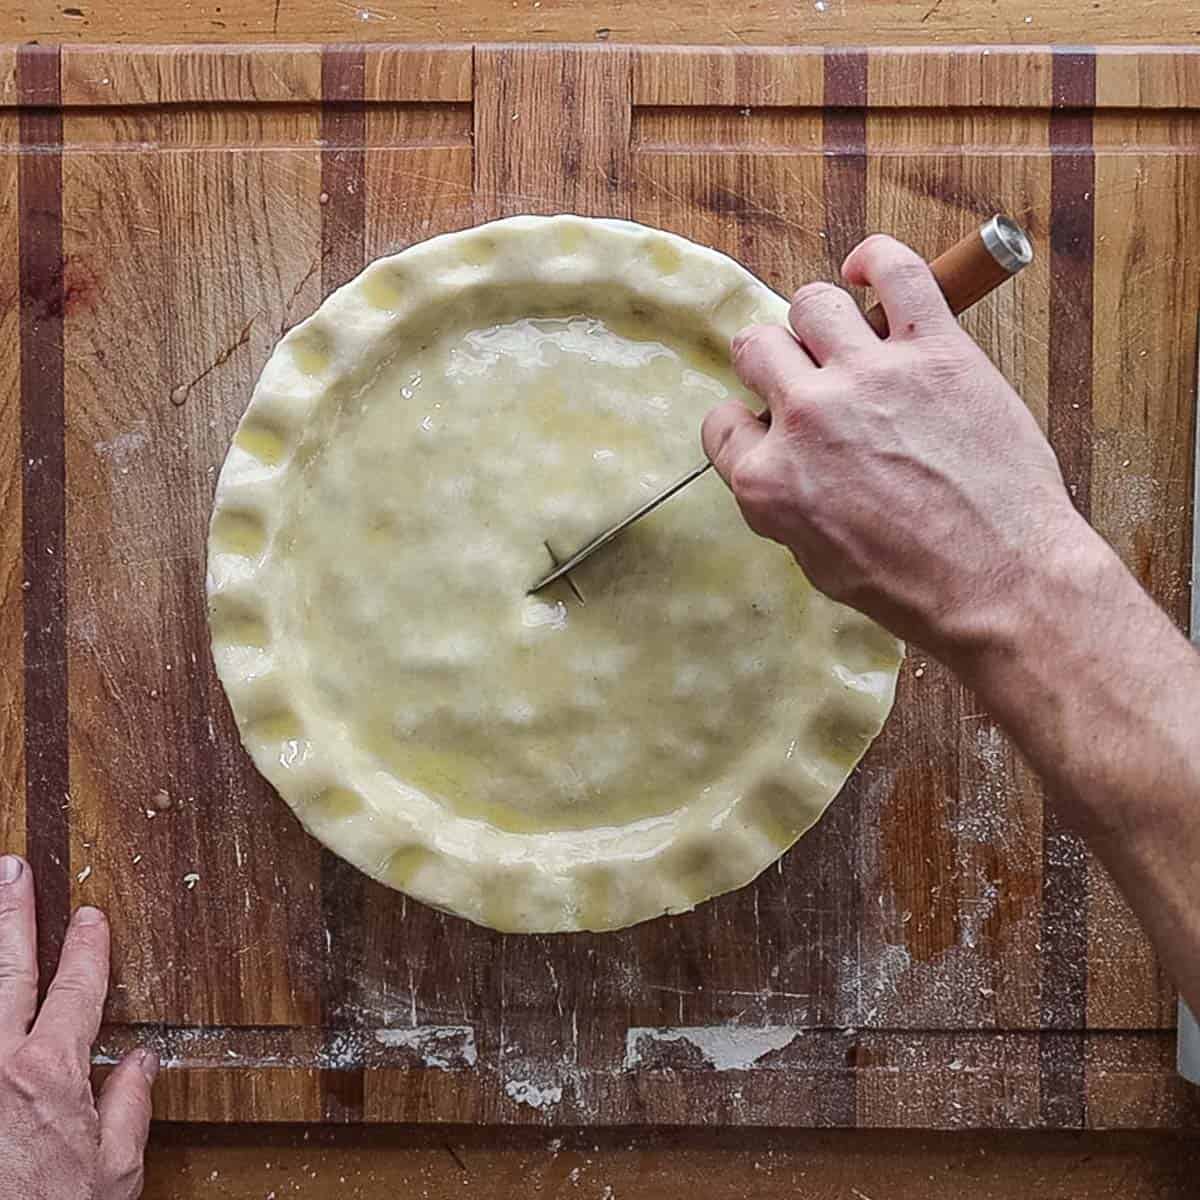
[(532, 763)]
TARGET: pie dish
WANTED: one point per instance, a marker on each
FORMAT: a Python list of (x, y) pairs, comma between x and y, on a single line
[(653, 731)]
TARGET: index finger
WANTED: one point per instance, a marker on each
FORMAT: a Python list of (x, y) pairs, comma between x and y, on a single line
[(769, 361), (903, 282), (70, 1016)]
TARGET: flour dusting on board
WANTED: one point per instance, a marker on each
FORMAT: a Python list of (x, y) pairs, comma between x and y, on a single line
[(124, 447), (525, 1091), (984, 811), (447, 1047), (722, 1047), (343, 1052), (870, 983), (438, 1047)]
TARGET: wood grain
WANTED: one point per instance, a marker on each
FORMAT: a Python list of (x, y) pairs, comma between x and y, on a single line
[(343, 222), (1128, 78), (984, 77), (919, 959), (12, 563), (1141, 498), (108, 75), (956, 884), (445, 1163), (856, 22), (163, 790), (841, 849), (418, 74), (121, 635), (419, 966), (1064, 919), (753, 186), (775, 77), (555, 124), (43, 494)]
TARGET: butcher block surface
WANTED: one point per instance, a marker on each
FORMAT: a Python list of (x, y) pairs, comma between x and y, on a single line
[(940, 951)]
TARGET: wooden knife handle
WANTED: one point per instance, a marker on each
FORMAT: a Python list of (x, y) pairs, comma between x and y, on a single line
[(977, 265)]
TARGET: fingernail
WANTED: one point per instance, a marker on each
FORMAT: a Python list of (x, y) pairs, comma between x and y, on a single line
[(11, 868), (88, 916), (150, 1065)]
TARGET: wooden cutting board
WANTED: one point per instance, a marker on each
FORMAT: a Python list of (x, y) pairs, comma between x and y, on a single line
[(940, 951)]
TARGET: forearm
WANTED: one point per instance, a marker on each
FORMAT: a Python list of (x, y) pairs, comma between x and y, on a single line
[(1101, 693), (911, 482)]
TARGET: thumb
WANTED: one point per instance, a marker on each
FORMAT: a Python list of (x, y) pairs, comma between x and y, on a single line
[(124, 1107)]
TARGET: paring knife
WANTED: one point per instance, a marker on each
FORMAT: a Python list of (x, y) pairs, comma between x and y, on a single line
[(1188, 1047), (967, 272)]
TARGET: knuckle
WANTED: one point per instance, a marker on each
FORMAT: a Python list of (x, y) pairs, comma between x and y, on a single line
[(17, 975), (749, 340), (949, 351), (82, 976), (71, 984), (796, 399), (879, 375), (38, 1067), (813, 289), (79, 992), (138, 1101), (751, 333), (747, 479), (803, 410), (905, 268), (753, 487), (817, 296)]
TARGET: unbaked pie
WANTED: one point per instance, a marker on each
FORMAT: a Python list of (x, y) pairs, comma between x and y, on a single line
[(650, 732)]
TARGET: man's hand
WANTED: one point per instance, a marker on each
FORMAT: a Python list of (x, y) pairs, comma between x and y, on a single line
[(56, 1142), (905, 474), (911, 482)]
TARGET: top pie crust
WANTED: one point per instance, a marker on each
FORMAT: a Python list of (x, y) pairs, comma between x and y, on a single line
[(531, 763)]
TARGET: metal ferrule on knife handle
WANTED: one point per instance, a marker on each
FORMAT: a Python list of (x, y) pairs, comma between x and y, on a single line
[(973, 267)]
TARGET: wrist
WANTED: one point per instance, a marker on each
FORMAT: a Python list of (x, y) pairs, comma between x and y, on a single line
[(1073, 668), (1041, 609)]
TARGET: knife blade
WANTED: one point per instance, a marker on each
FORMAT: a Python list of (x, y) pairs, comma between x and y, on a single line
[(968, 271), (613, 531)]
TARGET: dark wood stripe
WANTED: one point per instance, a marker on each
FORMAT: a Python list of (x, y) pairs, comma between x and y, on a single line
[(831, 850), (43, 494), (343, 165), (343, 220), (1064, 931), (844, 137), (1072, 231)]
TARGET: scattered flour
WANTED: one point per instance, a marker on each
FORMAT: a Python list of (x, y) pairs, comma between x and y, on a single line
[(443, 1046), (724, 1047), (525, 1091)]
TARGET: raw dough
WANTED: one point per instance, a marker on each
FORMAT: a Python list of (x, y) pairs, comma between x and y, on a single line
[(530, 762)]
